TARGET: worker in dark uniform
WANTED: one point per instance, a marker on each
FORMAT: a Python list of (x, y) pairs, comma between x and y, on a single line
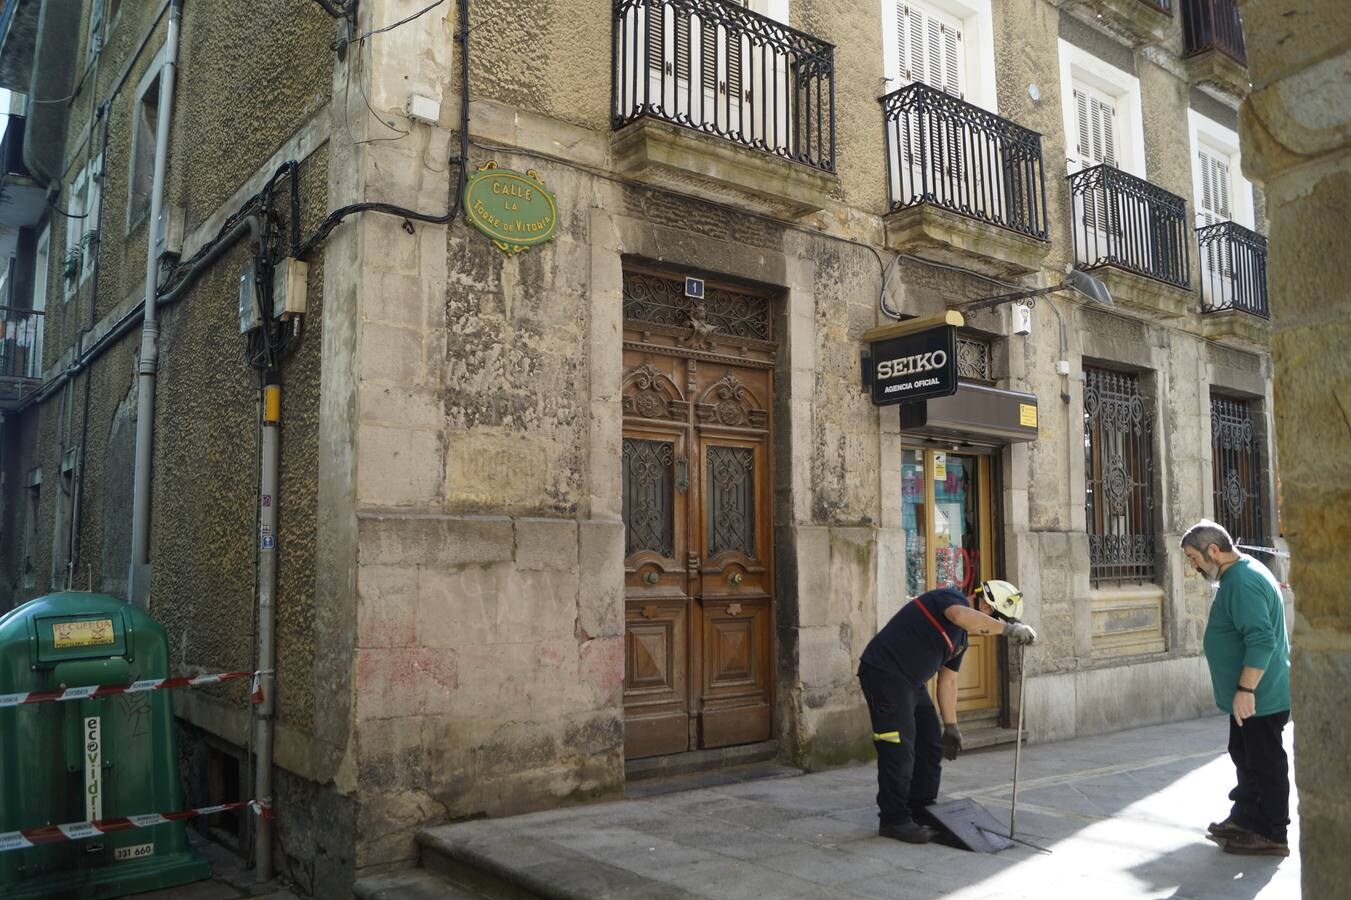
[(928, 636)]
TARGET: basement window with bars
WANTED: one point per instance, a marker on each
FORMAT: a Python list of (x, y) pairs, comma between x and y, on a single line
[(1119, 475)]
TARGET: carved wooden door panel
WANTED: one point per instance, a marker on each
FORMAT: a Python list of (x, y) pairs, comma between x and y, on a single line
[(697, 514), (733, 518)]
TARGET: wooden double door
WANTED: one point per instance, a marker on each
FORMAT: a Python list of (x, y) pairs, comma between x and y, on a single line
[(698, 561)]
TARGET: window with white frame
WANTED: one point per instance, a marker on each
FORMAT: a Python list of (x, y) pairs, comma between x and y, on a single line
[(946, 44), (82, 207), (1221, 194), (1101, 109)]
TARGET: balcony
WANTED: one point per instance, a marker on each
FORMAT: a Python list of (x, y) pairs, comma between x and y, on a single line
[(714, 100), (1233, 282), (18, 39), (1213, 42), (1137, 233), (966, 187), (1138, 23), (22, 200), (20, 355)]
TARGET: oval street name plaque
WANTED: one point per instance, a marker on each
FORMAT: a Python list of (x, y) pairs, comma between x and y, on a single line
[(512, 208)]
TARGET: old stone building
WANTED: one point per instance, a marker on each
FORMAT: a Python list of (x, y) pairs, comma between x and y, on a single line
[(553, 518)]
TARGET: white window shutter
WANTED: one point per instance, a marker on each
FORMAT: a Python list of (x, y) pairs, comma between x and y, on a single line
[(1085, 152), (952, 39), (935, 55), (1108, 134), (903, 39), (917, 58), (1222, 190)]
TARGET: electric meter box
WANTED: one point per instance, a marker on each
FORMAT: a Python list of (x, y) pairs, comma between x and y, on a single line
[(83, 760)]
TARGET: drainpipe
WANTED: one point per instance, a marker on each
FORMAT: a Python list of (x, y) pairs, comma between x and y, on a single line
[(267, 591), (138, 575)]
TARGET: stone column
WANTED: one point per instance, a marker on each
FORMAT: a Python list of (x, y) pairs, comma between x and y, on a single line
[(1296, 135)]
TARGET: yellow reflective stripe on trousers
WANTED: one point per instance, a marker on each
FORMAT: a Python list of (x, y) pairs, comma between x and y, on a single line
[(891, 737)]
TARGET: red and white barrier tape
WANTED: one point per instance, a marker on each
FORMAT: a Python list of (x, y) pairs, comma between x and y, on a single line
[(78, 831), (135, 687)]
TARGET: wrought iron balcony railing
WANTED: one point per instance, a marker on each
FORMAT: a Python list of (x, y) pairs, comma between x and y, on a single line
[(1233, 269), (957, 156), (1123, 221), (719, 68), (21, 342), (1213, 25)]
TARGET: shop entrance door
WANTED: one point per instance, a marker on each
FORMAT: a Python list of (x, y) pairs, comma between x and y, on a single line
[(949, 538)]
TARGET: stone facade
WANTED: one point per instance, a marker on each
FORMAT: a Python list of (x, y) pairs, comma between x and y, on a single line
[(1296, 135), (451, 599)]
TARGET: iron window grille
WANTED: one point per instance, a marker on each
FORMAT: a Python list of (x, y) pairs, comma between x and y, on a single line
[(719, 68), (1213, 25), (973, 359), (651, 299), (1237, 468), (1233, 269), (1123, 221), (955, 155), (1119, 470)]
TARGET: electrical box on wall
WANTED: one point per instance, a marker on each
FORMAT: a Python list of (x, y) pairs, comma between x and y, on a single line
[(424, 109), (288, 288), (250, 310)]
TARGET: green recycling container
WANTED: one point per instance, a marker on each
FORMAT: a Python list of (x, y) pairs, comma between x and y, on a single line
[(88, 759)]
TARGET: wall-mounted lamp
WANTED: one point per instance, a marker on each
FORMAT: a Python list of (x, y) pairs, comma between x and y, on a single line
[(1075, 280)]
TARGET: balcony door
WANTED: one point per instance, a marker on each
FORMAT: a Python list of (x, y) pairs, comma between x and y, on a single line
[(1212, 207), (946, 518)]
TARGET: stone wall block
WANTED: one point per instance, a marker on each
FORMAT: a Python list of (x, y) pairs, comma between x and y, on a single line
[(546, 544), (825, 660), (398, 406), (392, 354), (387, 247), (814, 598), (489, 605), (386, 606), (393, 469), (425, 540), (600, 591), (398, 682)]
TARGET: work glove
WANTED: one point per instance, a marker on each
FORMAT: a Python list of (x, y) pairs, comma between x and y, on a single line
[(952, 741), (1018, 633)]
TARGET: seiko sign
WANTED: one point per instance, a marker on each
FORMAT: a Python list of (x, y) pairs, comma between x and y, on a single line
[(913, 367)]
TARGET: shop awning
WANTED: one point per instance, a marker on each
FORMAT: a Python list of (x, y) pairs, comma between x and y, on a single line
[(977, 415)]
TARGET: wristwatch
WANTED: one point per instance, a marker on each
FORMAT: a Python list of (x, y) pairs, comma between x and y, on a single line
[(1246, 690)]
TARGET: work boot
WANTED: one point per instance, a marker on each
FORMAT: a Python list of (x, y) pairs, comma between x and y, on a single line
[(1226, 829), (1252, 844), (910, 832)]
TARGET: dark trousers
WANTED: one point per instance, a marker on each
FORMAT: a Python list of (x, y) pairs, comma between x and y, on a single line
[(908, 770), (1262, 797)]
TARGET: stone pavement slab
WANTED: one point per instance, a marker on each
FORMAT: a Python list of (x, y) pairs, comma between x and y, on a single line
[(1122, 815)]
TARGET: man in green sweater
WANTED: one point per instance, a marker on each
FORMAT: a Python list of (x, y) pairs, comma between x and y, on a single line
[(1249, 659)]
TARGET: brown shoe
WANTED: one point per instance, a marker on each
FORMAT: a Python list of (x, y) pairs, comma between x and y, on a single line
[(1226, 829), (1251, 844)]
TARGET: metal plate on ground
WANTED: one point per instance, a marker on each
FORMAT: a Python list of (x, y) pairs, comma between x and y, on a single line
[(971, 825)]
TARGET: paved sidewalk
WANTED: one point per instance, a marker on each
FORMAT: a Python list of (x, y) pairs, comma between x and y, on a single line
[(1123, 815)]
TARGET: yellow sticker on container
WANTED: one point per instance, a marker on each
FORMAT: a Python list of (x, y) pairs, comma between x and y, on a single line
[(86, 633), (1027, 415)]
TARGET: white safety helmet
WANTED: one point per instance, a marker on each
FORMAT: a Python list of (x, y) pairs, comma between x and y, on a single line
[(1004, 598)]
